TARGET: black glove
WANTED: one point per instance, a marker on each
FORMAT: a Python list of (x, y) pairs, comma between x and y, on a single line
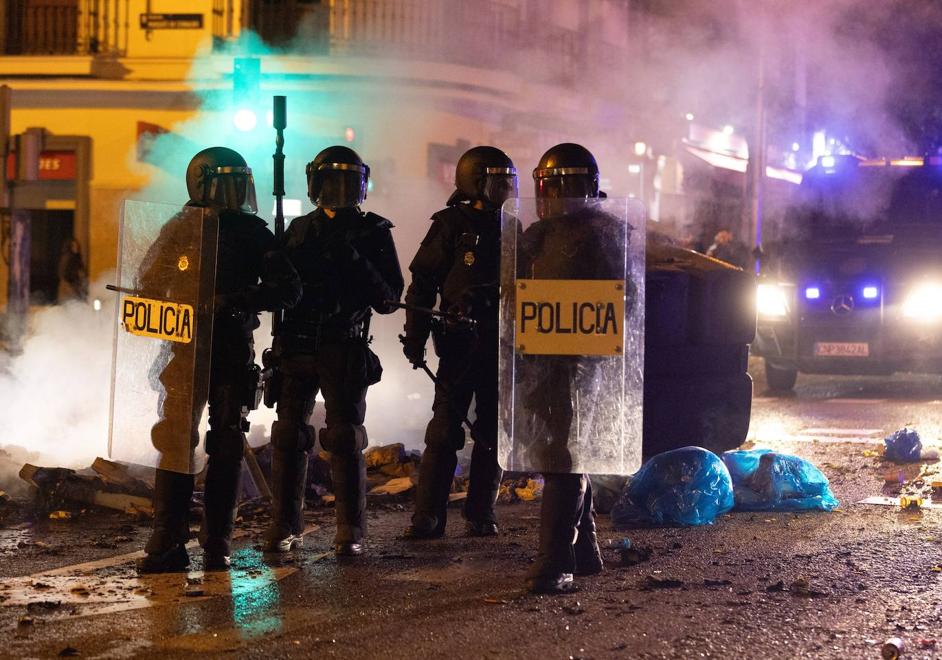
[(414, 350), (473, 304), (229, 304)]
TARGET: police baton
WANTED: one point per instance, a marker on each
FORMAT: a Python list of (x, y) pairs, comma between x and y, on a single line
[(423, 365), (448, 316), (121, 289)]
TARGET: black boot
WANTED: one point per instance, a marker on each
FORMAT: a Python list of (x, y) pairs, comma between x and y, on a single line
[(348, 473), (560, 513), (436, 473), (289, 478), (166, 551), (483, 486), (220, 503), (586, 549)]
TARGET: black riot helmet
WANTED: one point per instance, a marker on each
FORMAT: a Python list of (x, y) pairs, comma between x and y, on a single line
[(567, 170), (566, 179), (484, 174), (337, 178), (219, 177)]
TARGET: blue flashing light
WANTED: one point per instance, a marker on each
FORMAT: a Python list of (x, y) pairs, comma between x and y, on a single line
[(827, 161), (812, 293), (870, 292)]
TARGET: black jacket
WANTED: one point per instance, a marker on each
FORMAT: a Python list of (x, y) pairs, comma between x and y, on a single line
[(251, 275), (460, 255), (348, 267)]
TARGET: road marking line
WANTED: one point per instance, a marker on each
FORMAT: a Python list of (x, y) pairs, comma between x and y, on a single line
[(863, 402)]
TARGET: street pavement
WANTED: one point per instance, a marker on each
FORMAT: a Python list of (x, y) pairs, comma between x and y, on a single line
[(754, 585)]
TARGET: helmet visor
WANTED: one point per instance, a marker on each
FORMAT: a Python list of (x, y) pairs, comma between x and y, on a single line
[(233, 188), (562, 186), (560, 195), (338, 185), (500, 186)]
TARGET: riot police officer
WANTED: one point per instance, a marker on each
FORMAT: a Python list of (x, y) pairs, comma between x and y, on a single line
[(251, 276), (567, 242), (458, 264), (348, 265)]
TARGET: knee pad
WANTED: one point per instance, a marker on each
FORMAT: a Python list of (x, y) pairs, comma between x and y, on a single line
[(166, 438), (344, 438), (227, 444), (289, 436), (444, 434)]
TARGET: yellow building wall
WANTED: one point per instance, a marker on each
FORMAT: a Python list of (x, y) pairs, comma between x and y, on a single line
[(169, 42), (115, 172)]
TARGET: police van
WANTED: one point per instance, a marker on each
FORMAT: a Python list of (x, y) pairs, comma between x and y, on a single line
[(855, 284)]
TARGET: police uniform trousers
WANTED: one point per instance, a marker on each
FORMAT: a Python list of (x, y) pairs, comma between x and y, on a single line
[(568, 541), (567, 526), (341, 371), (232, 356), (467, 368)]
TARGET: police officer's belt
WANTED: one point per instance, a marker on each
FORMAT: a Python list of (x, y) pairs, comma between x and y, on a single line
[(312, 336)]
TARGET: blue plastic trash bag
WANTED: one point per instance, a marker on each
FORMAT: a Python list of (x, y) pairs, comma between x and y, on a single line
[(903, 446), (765, 480), (687, 486)]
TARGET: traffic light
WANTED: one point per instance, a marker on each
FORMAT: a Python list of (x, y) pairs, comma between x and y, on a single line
[(246, 81)]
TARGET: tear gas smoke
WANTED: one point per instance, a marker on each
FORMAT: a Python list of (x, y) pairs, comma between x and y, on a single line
[(692, 57), (55, 394)]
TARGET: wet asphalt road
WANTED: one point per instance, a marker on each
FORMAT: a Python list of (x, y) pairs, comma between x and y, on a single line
[(857, 576)]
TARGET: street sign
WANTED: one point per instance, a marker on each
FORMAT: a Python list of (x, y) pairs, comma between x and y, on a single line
[(53, 165), (171, 21)]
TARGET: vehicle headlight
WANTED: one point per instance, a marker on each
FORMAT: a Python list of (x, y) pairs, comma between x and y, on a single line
[(924, 302), (771, 301)]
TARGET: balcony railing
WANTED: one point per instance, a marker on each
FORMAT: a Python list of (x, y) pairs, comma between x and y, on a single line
[(42, 27), (483, 33), (491, 34)]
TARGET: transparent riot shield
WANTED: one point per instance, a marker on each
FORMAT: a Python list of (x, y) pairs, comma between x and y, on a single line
[(571, 365), (163, 335)]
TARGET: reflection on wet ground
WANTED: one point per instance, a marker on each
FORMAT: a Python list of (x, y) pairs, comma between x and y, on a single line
[(113, 585)]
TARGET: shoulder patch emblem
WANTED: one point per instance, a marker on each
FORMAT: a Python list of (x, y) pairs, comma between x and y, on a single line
[(469, 258)]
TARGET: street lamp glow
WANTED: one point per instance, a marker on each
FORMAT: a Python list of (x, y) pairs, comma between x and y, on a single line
[(689, 116), (244, 120), (728, 129), (640, 148), (795, 146)]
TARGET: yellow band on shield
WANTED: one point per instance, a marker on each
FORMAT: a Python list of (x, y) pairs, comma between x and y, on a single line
[(570, 317), (158, 319)]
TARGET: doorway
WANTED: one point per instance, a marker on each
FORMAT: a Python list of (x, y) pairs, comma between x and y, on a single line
[(50, 233)]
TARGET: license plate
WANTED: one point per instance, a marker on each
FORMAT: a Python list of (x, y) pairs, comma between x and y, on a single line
[(841, 349)]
